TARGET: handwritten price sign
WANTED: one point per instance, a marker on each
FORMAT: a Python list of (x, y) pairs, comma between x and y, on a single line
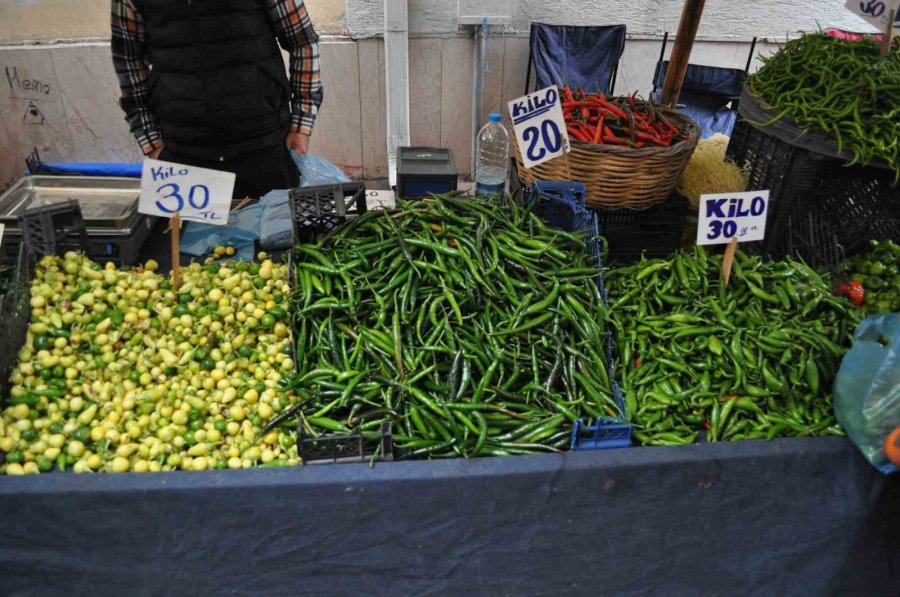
[(876, 11), (195, 194), (732, 215), (539, 126)]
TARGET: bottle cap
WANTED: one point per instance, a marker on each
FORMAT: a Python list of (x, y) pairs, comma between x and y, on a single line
[(494, 117)]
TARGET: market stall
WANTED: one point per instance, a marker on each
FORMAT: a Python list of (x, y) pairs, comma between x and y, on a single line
[(528, 399)]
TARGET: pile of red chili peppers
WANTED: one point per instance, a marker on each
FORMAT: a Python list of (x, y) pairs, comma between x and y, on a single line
[(594, 118)]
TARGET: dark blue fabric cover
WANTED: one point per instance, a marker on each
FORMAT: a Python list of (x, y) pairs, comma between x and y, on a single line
[(788, 517), (576, 56), (95, 169), (704, 95)]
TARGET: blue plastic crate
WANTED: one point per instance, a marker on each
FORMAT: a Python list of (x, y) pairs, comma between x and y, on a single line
[(561, 205)]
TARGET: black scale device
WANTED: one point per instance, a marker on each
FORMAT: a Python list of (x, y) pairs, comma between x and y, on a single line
[(422, 171)]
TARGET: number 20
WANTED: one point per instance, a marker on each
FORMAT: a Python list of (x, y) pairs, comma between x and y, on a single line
[(548, 134)]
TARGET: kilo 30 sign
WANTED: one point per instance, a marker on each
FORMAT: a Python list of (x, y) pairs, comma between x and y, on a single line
[(195, 194), (732, 215), (539, 126)]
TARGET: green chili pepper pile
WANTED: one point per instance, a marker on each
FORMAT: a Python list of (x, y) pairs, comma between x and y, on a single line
[(472, 326), (753, 360), (842, 87)]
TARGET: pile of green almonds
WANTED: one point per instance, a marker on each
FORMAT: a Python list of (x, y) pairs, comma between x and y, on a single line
[(120, 372)]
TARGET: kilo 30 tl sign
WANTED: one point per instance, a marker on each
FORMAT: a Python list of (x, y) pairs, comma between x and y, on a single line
[(732, 215), (195, 194)]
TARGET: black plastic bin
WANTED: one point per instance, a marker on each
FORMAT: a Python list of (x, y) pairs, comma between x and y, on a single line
[(830, 202), (655, 231), (15, 308)]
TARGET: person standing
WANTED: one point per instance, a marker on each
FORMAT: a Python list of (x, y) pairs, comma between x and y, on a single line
[(203, 83)]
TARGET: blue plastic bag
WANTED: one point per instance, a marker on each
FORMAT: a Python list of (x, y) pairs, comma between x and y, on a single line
[(316, 170), (276, 230), (867, 388), (242, 229)]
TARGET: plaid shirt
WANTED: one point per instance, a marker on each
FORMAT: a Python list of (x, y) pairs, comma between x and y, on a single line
[(292, 27)]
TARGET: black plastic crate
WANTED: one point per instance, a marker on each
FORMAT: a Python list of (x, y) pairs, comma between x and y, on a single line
[(812, 239), (15, 308), (335, 448), (857, 202), (320, 209), (654, 231)]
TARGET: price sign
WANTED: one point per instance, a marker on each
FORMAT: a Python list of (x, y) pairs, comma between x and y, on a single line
[(732, 215), (195, 194), (539, 126), (876, 11)]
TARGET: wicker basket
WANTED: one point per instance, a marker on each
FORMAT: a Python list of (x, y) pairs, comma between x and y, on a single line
[(617, 176)]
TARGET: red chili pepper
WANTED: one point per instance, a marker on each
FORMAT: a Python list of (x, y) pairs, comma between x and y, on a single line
[(609, 137), (637, 362), (707, 425), (598, 132)]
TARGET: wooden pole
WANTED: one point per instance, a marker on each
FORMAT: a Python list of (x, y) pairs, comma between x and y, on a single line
[(176, 252), (728, 260), (681, 51), (888, 33)]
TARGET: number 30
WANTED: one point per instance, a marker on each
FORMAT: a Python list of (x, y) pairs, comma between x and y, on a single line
[(176, 194)]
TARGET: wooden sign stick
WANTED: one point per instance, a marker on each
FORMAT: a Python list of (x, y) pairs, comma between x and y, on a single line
[(176, 251), (728, 260), (888, 33)]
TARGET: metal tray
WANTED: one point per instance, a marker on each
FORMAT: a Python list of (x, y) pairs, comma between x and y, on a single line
[(106, 202)]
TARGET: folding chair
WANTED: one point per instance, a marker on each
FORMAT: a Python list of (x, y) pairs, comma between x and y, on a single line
[(709, 94), (576, 56)]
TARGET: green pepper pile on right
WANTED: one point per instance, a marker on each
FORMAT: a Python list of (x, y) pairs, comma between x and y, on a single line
[(874, 278), (753, 360), (844, 88)]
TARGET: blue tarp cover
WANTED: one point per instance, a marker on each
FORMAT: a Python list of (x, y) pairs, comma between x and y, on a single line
[(787, 517)]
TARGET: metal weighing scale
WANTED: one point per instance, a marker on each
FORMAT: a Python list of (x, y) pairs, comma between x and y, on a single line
[(109, 206)]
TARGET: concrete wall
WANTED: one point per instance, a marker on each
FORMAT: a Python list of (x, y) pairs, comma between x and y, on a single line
[(722, 19), (67, 19)]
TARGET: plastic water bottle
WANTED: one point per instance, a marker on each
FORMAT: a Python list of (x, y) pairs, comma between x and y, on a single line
[(493, 157)]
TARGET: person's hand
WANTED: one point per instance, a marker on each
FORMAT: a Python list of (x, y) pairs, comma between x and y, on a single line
[(298, 142), (154, 155)]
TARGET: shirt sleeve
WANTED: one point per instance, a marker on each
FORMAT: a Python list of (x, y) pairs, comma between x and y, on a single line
[(296, 34), (128, 48)]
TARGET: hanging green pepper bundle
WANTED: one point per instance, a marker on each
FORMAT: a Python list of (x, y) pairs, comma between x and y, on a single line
[(753, 360), (845, 88), (472, 326)]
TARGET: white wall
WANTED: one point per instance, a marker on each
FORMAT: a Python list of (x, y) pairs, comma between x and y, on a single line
[(722, 19)]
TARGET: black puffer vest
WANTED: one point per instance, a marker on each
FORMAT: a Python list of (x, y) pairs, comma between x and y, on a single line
[(217, 81)]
